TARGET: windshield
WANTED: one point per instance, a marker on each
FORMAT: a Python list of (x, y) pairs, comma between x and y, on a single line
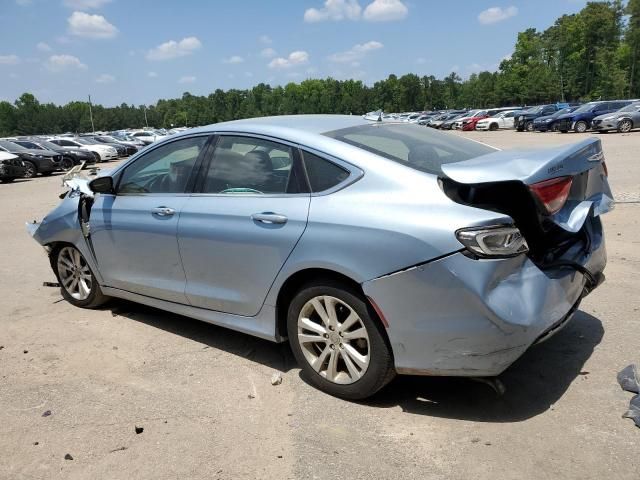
[(83, 141), (585, 108), (28, 144), (411, 145), (48, 145), (12, 147), (537, 109)]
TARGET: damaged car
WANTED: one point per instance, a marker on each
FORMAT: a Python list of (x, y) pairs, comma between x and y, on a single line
[(373, 248)]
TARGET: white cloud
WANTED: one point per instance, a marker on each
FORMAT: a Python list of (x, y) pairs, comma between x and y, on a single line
[(268, 53), (173, 49), (298, 57), (187, 79), (265, 39), (233, 59), (105, 78), (152, 74), (43, 47), (385, 11), (59, 63), (334, 10), (90, 26), (85, 4), (356, 52), (9, 59), (496, 14)]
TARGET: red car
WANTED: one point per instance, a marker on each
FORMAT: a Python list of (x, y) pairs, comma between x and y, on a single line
[(470, 123)]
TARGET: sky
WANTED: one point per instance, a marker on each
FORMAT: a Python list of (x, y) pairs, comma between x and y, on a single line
[(139, 51)]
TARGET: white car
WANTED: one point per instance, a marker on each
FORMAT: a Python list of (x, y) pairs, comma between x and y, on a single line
[(500, 120), (104, 152), (147, 136)]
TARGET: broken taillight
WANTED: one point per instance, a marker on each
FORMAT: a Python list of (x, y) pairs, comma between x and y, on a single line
[(552, 193)]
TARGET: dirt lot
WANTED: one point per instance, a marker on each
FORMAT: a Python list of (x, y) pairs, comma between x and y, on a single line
[(204, 398)]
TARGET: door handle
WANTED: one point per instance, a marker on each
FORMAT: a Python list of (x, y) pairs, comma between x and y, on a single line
[(163, 211), (269, 217)]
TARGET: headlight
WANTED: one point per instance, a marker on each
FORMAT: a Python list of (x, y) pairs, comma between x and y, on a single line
[(493, 242), (549, 120), (608, 118)]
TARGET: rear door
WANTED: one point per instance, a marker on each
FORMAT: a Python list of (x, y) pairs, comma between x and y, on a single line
[(236, 233)]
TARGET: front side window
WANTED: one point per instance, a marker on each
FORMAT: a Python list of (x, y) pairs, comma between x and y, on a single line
[(165, 169), (250, 165)]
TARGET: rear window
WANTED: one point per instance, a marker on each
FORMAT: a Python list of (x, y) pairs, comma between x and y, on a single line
[(415, 146)]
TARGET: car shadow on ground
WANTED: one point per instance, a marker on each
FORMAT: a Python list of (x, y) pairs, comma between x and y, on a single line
[(533, 383), (273, 355)]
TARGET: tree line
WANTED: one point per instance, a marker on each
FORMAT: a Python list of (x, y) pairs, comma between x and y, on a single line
[(593, 54)]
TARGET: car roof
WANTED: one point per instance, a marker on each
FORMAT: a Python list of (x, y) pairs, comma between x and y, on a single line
[(315, 124)]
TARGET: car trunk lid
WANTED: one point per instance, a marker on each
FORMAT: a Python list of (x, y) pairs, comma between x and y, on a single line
[(550, 193)]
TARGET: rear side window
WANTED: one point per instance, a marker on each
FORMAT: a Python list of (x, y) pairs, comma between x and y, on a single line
[(251, 165), (322, 173), (417, 147)]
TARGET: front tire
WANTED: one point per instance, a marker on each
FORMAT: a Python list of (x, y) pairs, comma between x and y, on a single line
[(580, 127), (67, 164), (78, 285), (528, 126), (30, 169), (625, 126), (338, 341), (493, 127)]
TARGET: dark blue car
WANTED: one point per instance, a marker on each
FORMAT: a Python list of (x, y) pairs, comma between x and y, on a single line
[(548, 122), (580, 120)]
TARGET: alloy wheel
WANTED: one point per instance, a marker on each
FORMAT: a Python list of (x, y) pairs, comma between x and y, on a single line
[(334, 339), (625, 126), (74, 273), (30, 170), (581, 127)]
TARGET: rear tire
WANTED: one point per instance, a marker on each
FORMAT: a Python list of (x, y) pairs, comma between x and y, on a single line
[(346, 354), (78, 285), (625, 126)]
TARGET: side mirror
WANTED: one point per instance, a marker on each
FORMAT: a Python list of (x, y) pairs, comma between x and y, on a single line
[(101, 185)]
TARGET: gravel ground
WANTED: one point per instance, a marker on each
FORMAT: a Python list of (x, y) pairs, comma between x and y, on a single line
[(204, 399)]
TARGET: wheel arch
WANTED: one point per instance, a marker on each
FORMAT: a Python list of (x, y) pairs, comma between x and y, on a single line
[(292, 284)]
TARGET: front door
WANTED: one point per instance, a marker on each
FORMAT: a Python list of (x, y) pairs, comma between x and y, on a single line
[(236, 234), (134, 232)]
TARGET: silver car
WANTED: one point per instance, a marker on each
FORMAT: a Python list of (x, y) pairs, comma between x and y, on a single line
[(375, 248), (623, 121)]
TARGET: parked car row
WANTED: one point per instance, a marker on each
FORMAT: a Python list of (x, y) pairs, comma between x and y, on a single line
[(29, 156), (599, 116)]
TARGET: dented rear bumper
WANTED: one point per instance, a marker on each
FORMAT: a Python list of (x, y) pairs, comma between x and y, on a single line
[(467, 317)]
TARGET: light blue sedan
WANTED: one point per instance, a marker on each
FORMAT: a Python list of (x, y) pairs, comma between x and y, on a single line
[(375, 248)]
